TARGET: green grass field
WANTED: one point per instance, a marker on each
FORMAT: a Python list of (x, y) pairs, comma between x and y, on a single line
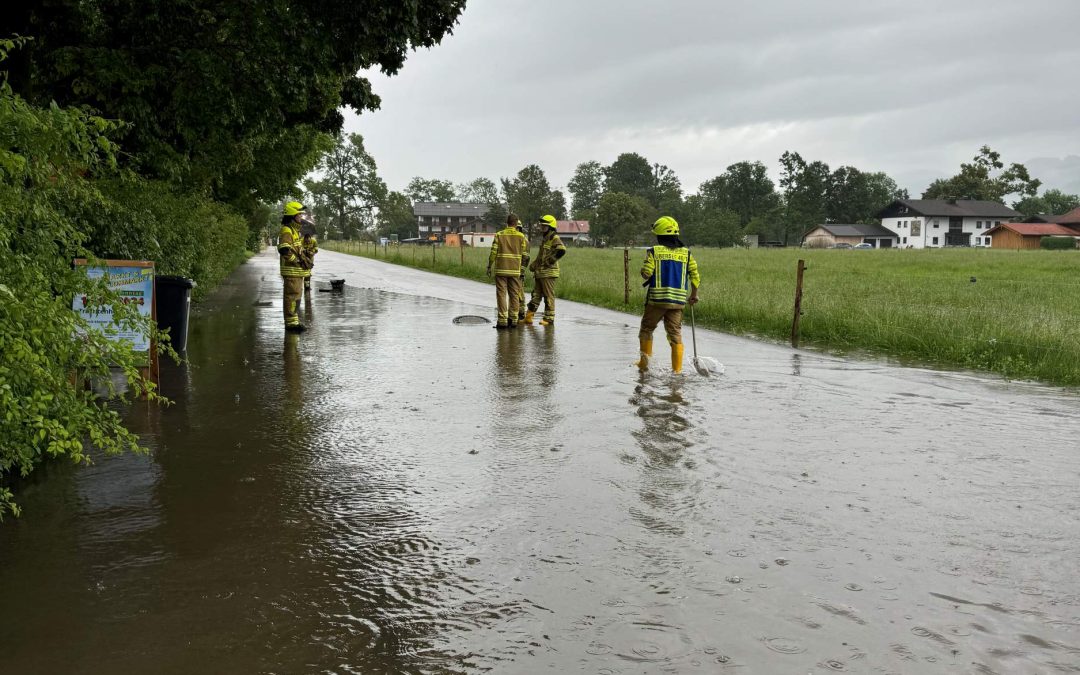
[(1020, 318)]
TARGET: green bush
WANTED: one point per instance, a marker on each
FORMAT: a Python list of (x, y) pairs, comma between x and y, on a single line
[(1058, 243), (48, 160), (184, 234)]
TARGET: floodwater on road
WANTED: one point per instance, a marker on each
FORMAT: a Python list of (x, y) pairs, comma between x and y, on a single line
[(393, 493)]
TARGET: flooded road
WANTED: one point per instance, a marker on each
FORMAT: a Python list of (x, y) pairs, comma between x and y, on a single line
[(393, 493)]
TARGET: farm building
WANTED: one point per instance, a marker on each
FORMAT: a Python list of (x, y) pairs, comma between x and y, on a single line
[(935, 223), (1028, 235), (573, 230), (824, 236)]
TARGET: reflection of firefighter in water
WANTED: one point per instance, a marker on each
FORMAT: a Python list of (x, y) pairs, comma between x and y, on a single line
[(294, 391)]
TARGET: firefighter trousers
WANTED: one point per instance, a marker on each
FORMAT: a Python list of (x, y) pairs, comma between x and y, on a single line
[(544, 289), (507, 294), (672, 317), (294, 290)]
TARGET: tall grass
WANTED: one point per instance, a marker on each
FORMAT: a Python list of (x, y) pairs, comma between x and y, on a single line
[(1020, 317)]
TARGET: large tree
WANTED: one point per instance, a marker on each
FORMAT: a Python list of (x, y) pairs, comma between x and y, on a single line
[(528, 195), (234, 97), (854, 196), (744, 188), (586, 187), (431, 190), (621, 220), (395, 217), (805, 186), (1051, 202), (631, 174), (348, 190), (478, 191), (985, 177)]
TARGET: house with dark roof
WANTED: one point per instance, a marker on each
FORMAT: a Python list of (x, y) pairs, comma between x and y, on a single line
[(435, 219), (831, 234), (935, 223), (1070, 219)]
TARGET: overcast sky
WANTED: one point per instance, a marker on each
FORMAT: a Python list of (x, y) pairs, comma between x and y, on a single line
[(909, 87)]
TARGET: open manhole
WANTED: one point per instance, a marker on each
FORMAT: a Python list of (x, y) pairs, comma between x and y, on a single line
[(470, 320)]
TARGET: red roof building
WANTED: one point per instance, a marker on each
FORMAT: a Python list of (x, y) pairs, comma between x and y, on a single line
[(1028, 235), (574, 230)]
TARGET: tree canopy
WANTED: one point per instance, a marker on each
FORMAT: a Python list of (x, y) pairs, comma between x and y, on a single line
[(232, 97), (985, 177)]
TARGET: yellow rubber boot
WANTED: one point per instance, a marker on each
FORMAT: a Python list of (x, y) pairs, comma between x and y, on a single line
[(646, 352), (528, 317), (676, 358)]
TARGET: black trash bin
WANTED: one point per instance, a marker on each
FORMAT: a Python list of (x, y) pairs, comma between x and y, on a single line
[(173, 307)]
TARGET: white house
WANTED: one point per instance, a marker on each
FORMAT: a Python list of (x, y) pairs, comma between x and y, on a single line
[(935, 223)]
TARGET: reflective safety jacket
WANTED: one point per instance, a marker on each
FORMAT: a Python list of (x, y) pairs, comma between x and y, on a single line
[(311, 247), (289, 247), (668, 274), (547, 261), (526, 256), (508, 248)]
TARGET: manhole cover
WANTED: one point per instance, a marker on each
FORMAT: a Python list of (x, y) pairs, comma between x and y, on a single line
[(470, 320)]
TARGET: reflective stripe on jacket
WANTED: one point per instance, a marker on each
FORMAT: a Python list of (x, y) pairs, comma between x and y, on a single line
[(507, 249), (669, 272), (547, 264), (289, 247)]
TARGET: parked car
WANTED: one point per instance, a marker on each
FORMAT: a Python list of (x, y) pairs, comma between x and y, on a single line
[(863, 246), (841, 245)]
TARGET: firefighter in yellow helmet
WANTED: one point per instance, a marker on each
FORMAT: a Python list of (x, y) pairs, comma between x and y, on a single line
[(294, 264), (545, 271), (672, 281), (508, 248)]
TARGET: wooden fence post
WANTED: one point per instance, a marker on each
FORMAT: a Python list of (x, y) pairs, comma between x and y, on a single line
[(798, 305), (461, 251), (626, 274)]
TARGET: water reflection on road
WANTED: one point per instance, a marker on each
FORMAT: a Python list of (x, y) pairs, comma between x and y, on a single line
[(391, 493)]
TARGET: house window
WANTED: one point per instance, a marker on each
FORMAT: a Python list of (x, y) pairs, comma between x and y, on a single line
[(996, 223), (987, 240), (978, 224), (935, 222), (905, 240), (481, 240), (935, 239)]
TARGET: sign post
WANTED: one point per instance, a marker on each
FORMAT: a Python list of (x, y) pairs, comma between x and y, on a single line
[(133, 281)]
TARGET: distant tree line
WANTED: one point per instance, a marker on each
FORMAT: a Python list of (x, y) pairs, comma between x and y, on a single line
[(621, 199)]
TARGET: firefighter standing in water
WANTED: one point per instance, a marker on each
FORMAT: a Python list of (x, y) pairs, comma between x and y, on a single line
[(525, 257), (672, 279), (545, 271), (310, 246), (293, 264), (508, 248)]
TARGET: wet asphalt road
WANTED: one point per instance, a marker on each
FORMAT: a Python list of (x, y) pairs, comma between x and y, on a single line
[(392, 493)]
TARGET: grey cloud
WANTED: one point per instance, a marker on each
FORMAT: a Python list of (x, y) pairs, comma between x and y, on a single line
[(907, 87)]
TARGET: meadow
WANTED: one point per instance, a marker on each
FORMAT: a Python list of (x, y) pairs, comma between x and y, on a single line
[(1013, 313)]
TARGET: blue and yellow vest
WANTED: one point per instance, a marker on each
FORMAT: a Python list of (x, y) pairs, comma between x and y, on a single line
[(672, 270)]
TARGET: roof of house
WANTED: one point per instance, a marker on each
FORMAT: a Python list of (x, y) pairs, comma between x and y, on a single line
[(955, 207), (449, 209), (1070, 218), (572, 227), (856, 230), (1037, 229)]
